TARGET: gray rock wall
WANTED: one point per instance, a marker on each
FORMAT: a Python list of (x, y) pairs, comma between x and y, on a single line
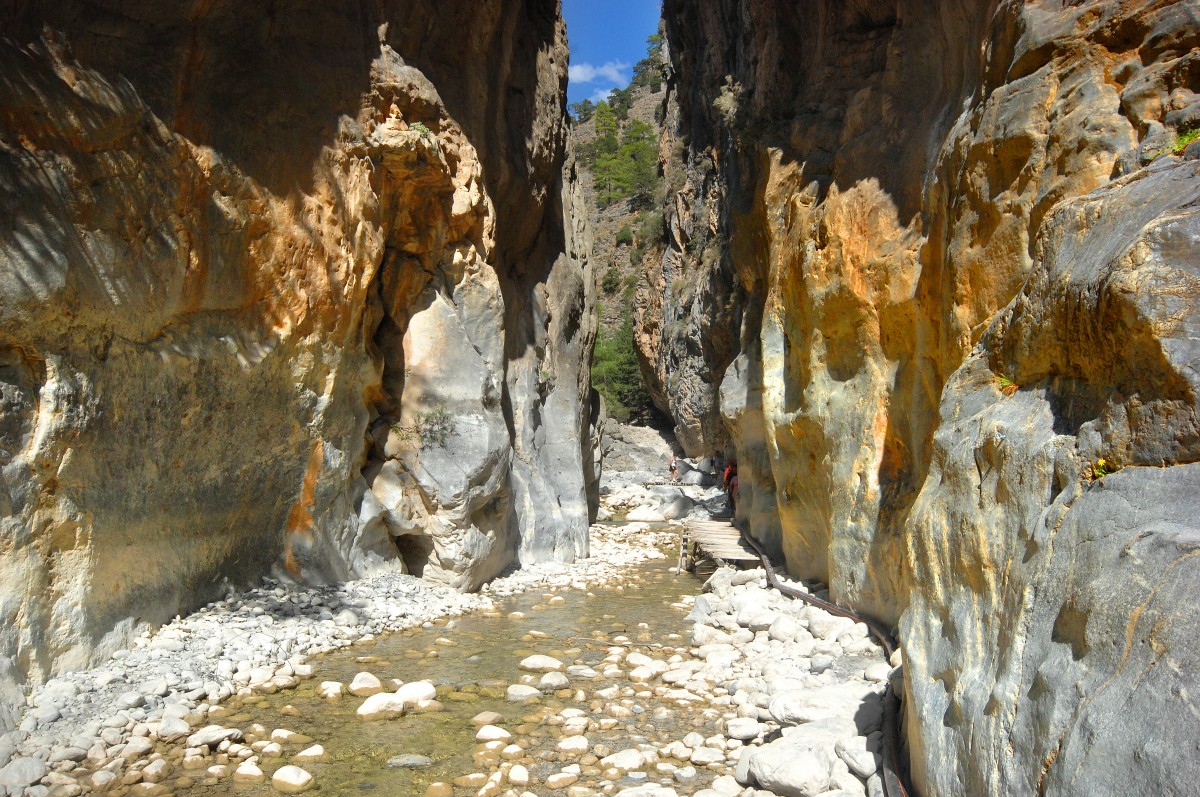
[(879, 181), (1051, 636), (296, 288)]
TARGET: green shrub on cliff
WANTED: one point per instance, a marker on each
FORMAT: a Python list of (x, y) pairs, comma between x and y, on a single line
[(616, 374), (728, 104), (582, 110), (611, 281), (648, 72), (624, 167), (1181, 141), (650, 228)]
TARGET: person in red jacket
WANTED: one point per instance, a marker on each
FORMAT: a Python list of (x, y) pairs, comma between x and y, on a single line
[(729, 483)]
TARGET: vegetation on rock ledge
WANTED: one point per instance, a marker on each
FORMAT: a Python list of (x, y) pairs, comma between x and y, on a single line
[(617, 375)]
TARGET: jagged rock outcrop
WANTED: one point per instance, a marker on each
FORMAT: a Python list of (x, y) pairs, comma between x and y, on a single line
[(889, 177), (279, 286)]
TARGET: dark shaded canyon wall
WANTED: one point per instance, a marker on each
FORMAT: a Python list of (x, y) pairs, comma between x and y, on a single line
[(293, 287), (961, 279)]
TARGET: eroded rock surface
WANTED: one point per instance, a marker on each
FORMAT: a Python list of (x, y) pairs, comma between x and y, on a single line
[(279, 286), (1052, 603), (862, 190)]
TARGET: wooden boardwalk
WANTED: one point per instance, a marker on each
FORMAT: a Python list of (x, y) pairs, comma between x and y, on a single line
[(715, 539)]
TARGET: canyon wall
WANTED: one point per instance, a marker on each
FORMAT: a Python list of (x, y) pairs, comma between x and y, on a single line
[(937, 270), (293, 288)]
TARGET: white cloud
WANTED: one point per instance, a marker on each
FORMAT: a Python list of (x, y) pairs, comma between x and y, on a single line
[(610, 71), (600, 95)]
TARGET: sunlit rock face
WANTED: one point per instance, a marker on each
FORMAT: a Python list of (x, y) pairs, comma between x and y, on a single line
[(1051, 635), (286, 288), (929, 206)]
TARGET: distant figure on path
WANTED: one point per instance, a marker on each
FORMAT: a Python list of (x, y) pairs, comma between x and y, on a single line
[(729, 483), (674, 468)]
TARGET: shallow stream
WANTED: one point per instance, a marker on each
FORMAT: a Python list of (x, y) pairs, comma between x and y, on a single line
[(472, 660)]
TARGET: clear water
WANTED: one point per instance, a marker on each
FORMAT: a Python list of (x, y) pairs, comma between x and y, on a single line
[(472, 675)]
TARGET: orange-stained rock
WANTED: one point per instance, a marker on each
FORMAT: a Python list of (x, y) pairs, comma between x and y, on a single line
[(862, 190), (226, 228)]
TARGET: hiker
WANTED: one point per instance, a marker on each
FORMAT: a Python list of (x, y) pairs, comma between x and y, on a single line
[(729, 483), (730, 467), (674, 468)]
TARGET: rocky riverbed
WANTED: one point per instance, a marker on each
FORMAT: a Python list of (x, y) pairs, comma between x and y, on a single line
[(609, 676)]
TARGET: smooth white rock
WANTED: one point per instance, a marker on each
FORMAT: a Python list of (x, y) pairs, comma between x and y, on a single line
[(744, 728), (383, 706), (365, 684), (248, 773), (414, 692), (625, 760), (492, 733), (553, 680), (291, 780), (518, 775), (518, 692), (573, 744), (23, 771), (703, 756), (314, 753), (541, 663), (331, 690)]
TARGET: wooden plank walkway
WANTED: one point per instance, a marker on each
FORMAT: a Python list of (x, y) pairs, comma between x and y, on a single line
[(715, 539)]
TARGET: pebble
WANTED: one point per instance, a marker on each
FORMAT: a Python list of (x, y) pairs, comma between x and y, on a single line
[(212, 735), (331, 690), (292, 779), (409, 761), (519, 692), (561, 780), (573, 745), (172, 729), (103, 780), (248, 773), (365, 684), (703, 756), (879, 671), (20, 772), (553, 680), (744, 728), (487, 718), (416, 691), (626, 760), (314, 753), (541, 663), (382, 706), (492, 733)]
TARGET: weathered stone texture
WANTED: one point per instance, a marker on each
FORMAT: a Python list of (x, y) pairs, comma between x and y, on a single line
[(1051, 634), (889, 177), (279, 284)]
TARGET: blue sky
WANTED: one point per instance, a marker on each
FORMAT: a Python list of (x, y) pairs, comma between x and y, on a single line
[(607, 38)]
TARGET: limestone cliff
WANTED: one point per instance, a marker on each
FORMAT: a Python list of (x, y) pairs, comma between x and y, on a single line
[(295, 286), (959, 280)]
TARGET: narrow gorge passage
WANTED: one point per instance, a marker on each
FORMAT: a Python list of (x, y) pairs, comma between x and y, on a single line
[(325, 325)]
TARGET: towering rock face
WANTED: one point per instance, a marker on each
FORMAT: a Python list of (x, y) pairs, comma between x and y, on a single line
[(966, 291), (294, 287)]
